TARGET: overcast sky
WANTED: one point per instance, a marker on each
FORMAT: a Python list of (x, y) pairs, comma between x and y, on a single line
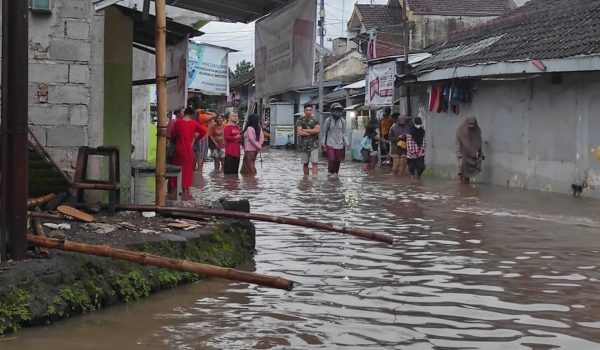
[(241, 36)]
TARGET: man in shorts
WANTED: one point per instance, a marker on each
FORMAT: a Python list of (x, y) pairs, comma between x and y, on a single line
[(308, 130)]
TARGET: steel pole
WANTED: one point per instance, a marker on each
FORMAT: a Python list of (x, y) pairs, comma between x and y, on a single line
[(406, 50), (321, 59), (15, 52)]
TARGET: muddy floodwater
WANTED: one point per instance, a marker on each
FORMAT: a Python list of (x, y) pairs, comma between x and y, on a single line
[(472, 267)]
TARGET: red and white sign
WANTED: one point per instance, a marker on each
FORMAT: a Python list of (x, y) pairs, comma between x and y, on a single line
[(285, 53), (380, 84)]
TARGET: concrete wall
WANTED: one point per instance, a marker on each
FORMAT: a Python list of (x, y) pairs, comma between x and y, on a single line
[(427, 30), (348, 69), (538, 135), (65, 63), (118, 73), (143, 68)]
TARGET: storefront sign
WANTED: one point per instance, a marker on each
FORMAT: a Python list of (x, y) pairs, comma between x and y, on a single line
[(285, 53), (379, 90)]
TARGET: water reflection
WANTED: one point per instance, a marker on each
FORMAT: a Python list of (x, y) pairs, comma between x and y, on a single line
[(473, 267)]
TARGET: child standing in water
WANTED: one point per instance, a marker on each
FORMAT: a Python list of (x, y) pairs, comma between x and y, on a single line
[(368, 153)]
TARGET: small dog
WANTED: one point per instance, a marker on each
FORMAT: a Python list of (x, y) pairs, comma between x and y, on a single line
[(578, 188)]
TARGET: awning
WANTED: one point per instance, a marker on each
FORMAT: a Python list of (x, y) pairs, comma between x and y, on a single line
[(356, 85), (237, 10), (353, 107)]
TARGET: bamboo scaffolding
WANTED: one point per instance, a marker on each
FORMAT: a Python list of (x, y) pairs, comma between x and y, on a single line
[(168, 263), (161, 89), (261, 217)]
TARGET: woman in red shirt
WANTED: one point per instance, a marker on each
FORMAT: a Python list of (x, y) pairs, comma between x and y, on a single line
[(233, 138), (184, 132)]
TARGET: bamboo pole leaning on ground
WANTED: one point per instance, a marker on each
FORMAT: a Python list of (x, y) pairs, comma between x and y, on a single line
[(262, 217), (36, 202), (168, 263)]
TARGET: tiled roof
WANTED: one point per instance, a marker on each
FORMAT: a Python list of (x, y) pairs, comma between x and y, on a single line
[(461, 7), (329, 60), (544, 29), (377, 16)]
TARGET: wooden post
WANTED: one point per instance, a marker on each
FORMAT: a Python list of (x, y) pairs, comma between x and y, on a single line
[(161, 89), (15, 50)]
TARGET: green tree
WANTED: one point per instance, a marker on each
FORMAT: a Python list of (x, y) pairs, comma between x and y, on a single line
[(241, 68)]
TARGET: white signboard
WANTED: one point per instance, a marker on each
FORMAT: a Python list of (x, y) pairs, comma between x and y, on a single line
[(176, 88), (208, 69), (285, 49), (379, 90), (284, 135)]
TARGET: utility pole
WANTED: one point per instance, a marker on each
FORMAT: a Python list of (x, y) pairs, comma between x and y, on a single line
[(321, 59), (406, 50), (15, 50)]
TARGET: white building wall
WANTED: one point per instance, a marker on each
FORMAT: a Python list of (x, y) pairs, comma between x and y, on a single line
[(538, 135)]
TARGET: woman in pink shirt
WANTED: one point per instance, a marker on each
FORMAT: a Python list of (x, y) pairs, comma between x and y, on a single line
[(253, 141)]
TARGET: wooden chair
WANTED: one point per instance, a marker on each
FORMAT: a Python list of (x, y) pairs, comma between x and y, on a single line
[(82, 183)]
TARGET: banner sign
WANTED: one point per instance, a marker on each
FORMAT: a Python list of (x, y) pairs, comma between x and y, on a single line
[(285, 49), (379, 89), (208, 69), (176, 88)]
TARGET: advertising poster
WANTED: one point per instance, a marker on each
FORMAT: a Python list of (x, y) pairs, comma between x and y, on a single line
[(208, 69), (285, 54), (176, 88), (284, 135), (379, 89)]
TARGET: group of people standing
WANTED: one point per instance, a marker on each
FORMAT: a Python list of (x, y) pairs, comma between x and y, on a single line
[(192, 134), (399, 138)]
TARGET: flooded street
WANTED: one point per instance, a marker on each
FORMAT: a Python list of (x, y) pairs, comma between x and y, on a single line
[(472, 267)]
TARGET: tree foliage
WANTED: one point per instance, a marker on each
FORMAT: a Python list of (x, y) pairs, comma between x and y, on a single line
[(241, 68)]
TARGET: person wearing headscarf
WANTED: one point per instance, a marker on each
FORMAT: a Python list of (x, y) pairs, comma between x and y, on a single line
[(184, 132), (415, 148), (469, 149), (397, 138)]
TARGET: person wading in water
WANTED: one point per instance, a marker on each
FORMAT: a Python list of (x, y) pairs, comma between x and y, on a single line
[(253, 141), (469, 149), (334, 140), (184, 132), (415, 148), (308, 130), (233, 140)]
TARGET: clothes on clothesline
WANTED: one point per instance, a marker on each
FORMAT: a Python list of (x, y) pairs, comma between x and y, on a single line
[(447, 96)]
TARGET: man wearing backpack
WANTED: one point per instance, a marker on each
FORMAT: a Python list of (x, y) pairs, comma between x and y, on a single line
[(334, 141)]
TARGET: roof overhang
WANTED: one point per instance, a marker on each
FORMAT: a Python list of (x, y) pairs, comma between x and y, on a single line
[(571, 64), (144, 31), (237, 10)]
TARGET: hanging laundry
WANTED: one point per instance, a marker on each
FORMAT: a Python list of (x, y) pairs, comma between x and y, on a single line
[(432, 97)]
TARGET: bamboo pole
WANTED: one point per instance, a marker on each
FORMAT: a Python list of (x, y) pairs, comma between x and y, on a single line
[(39, 231), (262, 217), (36, 202), (161, 89), (43, 215), (168, 263)]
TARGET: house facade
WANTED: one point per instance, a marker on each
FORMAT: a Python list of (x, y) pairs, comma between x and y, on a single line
[(533, 85)]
